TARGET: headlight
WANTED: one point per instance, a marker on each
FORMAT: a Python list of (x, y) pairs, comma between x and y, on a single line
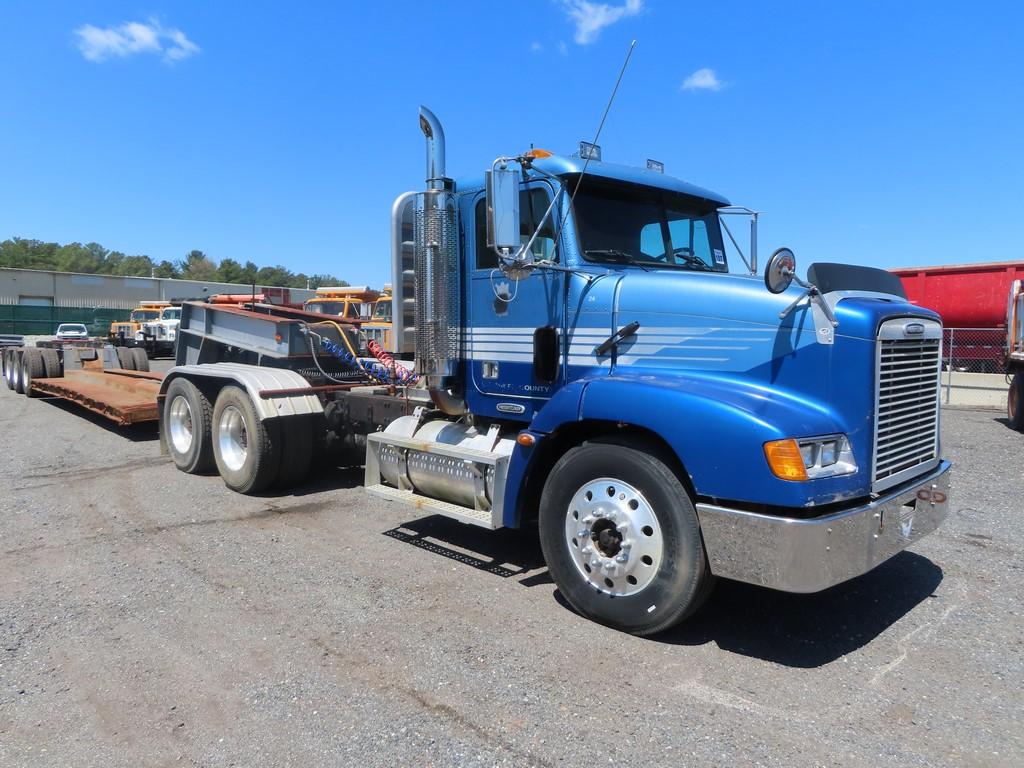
[(809, 458)]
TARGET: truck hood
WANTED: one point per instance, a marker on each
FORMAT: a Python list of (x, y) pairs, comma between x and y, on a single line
[(702, 301)]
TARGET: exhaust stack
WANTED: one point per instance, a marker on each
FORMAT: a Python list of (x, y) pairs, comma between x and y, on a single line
[(436, 267)]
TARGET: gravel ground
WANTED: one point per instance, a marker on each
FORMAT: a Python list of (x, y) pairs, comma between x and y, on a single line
[(152, 618)]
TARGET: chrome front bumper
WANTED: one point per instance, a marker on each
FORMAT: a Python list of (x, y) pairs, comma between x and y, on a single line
[(796, 555)]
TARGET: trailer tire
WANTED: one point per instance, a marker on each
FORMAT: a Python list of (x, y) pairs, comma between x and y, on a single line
[(1015, 402), (630, 503), (8, 364), (140, 359), (247, 451), (296, 437), (14, 371), (125, 358), (31, 369), (52, 367), (186, 423)]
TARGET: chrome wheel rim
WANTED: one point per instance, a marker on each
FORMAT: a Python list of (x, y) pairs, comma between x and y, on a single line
[(24, 376), (180, 425), (613, 536), (232, 438)]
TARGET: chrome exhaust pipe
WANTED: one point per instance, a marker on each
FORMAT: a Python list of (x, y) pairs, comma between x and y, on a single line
[(432, 129)]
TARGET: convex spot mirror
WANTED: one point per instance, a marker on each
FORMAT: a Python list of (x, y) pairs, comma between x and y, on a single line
[(503, 209), (780, 270)]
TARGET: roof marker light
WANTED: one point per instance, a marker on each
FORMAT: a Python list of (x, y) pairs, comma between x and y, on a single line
[(655, 165)]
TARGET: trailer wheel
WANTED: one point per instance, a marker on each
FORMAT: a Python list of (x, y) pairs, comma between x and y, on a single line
[(8, 356), (622, 540), (1015, 402), (125, 358), (31, 369), (247, 453), (13, 372), (51, 364), (187, 427), (140, 359)]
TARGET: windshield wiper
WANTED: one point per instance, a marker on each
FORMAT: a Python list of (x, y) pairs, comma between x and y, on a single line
[(615, 255)]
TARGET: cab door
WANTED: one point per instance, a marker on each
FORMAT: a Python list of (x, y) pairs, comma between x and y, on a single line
[(514, 329)]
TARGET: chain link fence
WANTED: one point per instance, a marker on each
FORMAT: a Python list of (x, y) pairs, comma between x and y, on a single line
[(974, 350), (966, 353)]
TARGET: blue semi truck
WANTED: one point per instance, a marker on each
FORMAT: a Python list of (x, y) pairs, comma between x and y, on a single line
[(578, 356)]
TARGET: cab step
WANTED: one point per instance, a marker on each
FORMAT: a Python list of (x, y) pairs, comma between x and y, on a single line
[(482, 518)]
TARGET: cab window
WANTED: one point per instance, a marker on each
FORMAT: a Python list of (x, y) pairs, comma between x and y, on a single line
[(533, 204)]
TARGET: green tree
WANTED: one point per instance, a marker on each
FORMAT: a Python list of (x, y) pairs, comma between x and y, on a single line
[(197, 266), (230, 271), (273, 276), (166, 269)]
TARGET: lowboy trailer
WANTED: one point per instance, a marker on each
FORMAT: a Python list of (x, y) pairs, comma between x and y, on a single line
[(583, 359)]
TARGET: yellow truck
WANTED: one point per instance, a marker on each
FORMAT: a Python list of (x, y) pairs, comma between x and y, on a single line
[(347, 302), (370, 306), (123, 333)]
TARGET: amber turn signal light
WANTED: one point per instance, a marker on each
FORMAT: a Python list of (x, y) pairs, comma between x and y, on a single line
[(785, 459)]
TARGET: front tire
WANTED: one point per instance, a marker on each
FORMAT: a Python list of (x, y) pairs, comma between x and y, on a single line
[(1015, 402), (186, 424), (622, 540), (247, 455)]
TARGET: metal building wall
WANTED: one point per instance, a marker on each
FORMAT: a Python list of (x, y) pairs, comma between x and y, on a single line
[(71, 289)]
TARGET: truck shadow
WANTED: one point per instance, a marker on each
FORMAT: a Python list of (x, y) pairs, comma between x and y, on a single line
[(506, 552), (809, 631), (137, 433), (803, 631)]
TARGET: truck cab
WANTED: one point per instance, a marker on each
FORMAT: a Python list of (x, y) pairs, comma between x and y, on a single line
[(125, 332), (588, 314), (158, 336)]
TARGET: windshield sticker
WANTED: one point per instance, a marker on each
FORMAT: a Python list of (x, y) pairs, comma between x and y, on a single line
[(719, 256)]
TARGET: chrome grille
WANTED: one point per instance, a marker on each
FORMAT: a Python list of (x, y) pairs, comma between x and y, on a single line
[(906, 400)]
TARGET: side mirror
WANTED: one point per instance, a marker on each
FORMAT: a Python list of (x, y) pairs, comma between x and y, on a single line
[(780, 270), (503, 209)]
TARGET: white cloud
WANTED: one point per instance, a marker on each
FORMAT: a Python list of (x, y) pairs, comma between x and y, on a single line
[(590, 17), (132, 37), (563, 48), (536, 46), (702, 80)]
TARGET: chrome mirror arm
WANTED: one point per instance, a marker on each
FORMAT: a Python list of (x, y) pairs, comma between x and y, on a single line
[(810, 291)]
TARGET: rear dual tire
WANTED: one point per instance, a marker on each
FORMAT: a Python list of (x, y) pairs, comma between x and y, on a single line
[(132, 358), (250, 454)]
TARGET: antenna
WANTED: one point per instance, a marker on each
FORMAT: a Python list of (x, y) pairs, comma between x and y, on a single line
[(597, 135), (604, 117)]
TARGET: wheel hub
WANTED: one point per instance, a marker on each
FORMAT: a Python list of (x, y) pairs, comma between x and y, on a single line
[(179, 425), (613, 536), (232, 438)]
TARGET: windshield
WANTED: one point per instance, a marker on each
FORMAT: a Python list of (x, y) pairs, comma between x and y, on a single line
[(73, 328), (144, 315), (340, 308), (172, 314), (630, 224), (382, 310)]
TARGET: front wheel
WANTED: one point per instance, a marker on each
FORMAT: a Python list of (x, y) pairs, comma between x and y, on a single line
[(621, 538), (1015, 402)]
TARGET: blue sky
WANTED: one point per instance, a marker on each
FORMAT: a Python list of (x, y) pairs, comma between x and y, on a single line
[(888, 134)]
